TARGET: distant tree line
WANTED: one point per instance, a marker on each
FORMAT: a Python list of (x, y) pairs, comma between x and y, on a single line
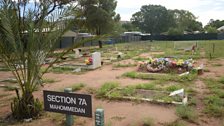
[(157, 19)]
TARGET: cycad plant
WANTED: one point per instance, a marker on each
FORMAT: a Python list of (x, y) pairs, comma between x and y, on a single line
[(29, 31)]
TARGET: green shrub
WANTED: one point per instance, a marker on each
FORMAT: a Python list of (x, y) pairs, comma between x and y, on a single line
[(186, 113)]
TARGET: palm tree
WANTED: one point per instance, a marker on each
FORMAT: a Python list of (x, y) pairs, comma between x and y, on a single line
[(26, 40)]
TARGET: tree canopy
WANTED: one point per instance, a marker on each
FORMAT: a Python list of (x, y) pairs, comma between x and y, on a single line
[(98, 15), (156, 19), (152, 19), (185, 21)]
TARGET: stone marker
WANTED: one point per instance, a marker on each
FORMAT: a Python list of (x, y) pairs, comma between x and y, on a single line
[(99, 117), (77, 55), (96, 63)]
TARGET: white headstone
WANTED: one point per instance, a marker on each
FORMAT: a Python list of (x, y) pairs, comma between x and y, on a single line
[(96, 63), (77, 55)]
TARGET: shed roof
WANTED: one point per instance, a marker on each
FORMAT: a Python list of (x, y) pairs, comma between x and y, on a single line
[(70, 34)]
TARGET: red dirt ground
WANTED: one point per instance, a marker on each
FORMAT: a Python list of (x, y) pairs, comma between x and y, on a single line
[(119, 113)]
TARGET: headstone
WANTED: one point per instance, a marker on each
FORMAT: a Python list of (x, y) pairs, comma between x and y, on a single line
[(77, 55), (99, 117), (96, 63), (185, 100)]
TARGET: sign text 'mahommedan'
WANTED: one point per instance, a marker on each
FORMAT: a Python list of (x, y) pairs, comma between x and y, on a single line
[(68, 103)]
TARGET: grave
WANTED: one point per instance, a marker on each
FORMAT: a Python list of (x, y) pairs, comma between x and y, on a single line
[(77, 53), (77, 67), (96, 60)]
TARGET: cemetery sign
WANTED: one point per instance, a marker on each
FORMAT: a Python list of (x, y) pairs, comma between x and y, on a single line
[(68, 103)]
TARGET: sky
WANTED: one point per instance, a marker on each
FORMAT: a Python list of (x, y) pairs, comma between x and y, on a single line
[(204, 10)]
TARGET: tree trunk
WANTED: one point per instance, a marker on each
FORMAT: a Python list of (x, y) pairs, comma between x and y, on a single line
[(100, 44), (25, 106), (98, 32), (151, 38)]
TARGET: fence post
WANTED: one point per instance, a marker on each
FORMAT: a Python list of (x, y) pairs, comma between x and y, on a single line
[(99, 117), (69, 118)]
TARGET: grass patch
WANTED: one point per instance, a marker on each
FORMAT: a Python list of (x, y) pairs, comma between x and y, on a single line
[(176, 123), (207, 70), (214, 106), (10, 80), (77, 87), (140, 59), (124, 65), (217, 65), (59, 70), (4, 95), (215, 101), (165, 77), (221, 80), (9, 88), (91, 90), (49, 81), (187, 113), (148, 122), (4, 68), (173, 88), (146, 86), (105, 88)]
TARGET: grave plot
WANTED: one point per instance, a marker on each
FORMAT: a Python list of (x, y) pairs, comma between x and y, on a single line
[(82, 64), (169, 65), (148, 92)]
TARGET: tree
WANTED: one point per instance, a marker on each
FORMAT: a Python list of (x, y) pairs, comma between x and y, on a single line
[(215, 24), (129, 27), (210, 29), (185, 21), (26, 40), (153, 19), (98, 15)]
